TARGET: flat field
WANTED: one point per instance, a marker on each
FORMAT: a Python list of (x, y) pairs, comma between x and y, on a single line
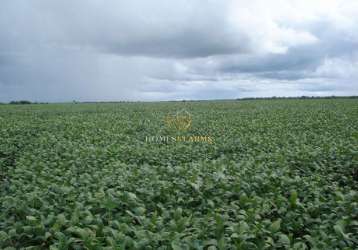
[(278, 174)]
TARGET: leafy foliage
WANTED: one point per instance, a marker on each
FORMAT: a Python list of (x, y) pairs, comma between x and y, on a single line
[(282, 174)]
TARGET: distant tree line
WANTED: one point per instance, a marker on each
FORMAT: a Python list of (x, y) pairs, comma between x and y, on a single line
[(25, 102), (22, 102), (299, 97)]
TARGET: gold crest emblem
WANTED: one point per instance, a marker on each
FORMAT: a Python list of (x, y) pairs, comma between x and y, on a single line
[(181, 120)]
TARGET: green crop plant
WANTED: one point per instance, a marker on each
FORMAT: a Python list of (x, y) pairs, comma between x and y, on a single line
[(280, 174)]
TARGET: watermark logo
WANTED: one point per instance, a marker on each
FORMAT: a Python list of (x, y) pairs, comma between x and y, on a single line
[(180, 121), (179, 125)]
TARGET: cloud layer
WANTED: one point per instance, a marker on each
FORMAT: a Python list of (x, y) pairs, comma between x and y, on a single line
[(182, 49)]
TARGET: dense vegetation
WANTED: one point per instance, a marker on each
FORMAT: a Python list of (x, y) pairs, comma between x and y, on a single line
[(282, 174), (23, 102)]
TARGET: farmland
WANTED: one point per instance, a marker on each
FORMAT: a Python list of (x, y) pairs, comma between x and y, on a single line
[(280, 174)]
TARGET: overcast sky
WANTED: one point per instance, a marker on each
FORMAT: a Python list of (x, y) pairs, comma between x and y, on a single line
[(96, 50)]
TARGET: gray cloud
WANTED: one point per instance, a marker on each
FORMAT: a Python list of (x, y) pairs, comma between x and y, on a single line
[(160, 50), (156, 29)]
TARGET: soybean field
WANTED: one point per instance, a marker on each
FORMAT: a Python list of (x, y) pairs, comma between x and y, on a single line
[(248, 174)]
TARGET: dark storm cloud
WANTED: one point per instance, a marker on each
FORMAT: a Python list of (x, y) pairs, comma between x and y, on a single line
[(153, 50), (190, 43), (295, 59), (298, 62), (157, 28)]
